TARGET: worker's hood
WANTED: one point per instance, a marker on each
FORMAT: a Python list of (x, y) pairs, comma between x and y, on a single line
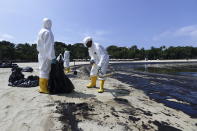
[(47, 23), (86, 40)]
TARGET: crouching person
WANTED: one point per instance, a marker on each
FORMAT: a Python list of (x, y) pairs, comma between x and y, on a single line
[(99, 61), (45, 47)]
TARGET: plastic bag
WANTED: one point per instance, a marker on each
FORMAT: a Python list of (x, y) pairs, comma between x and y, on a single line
[(27, 69), (17, 79), (16, 74), (58, 81)]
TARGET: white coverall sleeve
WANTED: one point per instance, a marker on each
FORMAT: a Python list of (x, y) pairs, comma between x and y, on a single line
[(39, 43), (91, 55), (49, 46), (64, 58), (68, 57)]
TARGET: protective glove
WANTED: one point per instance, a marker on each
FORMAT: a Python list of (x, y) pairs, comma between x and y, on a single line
[(53, 61), (92, 62)]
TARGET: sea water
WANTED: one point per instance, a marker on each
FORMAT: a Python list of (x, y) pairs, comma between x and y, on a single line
[(183, 69)]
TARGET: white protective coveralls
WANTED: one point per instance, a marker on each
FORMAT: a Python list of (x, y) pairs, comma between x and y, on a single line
[(66, 59), (45, 47), (100, 56)]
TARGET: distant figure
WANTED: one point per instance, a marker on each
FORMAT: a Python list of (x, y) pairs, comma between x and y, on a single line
[(67, 61), (99, 61), (45, 47)]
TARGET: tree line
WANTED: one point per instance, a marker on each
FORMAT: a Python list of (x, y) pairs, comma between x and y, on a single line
[(28, 53), (179, 52)]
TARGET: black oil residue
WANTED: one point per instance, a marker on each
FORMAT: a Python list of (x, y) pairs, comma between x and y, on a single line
[(177, 92)]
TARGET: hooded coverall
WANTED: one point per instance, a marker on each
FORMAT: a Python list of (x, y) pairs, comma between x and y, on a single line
[(45, 47), (101, 60)]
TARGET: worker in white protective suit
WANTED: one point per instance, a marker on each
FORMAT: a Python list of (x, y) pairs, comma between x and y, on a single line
[(45, 47), (66, 61), (99, 61)]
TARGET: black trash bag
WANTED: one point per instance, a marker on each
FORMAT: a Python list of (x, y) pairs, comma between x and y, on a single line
[(58, 81), (33, 78), (7, 65), (17, 79), (27, 69), (16, 75), (30, 81)]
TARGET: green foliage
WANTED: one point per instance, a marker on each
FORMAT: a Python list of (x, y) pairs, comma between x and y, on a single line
[(59, 48), (77, 51), (113, 51), (133, 52), (7, 50), (28, 52)]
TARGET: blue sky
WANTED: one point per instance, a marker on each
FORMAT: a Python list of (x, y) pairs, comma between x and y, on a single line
[(144, 23)]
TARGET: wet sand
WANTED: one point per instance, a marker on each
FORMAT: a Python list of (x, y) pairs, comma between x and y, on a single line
[(175, 91), (132, 101)]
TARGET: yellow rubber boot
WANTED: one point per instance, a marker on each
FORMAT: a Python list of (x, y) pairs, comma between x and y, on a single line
[(43, 84), (101, 90), (66, 70), (92, 82)]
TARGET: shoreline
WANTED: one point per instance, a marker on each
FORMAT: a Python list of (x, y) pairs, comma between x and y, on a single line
[(156, 62), (176, 61), (128, 103)]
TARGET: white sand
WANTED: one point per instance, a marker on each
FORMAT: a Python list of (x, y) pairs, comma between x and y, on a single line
[(24, 109)]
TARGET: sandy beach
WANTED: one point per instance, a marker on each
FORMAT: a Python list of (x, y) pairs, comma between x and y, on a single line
[(132, 101)]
